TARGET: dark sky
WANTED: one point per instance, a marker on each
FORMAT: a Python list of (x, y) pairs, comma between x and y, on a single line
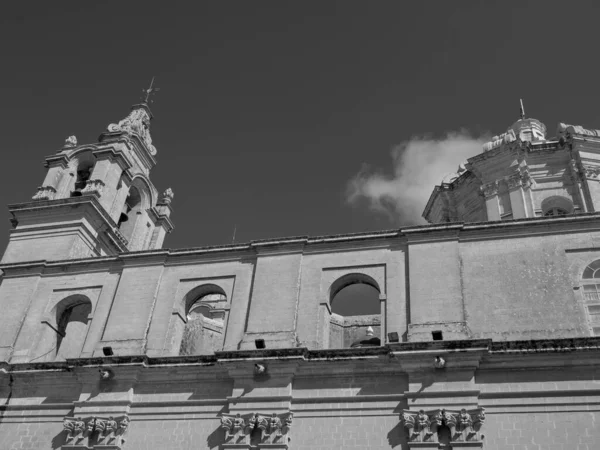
[(268, 108)]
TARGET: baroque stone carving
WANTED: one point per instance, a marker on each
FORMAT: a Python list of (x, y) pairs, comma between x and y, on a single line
[(514, 181), (236, 428), (94, 187), (273, 429), (464, 425), (138, 123), (490, 189), (167, 196), (70, 142), (591, 171), (564, 128), (45, 193), (75, 427), (91, 432), (500, 140)]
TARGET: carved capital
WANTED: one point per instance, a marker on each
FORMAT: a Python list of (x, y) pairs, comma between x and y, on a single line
[(420, 426), (237, 428), (514, 181), (45, 193), (464, 425), (92, 431), (272, 429), (75, 427), (490, 189)]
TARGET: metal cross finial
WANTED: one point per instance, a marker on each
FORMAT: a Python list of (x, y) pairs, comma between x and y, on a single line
[(151, 90), (522, 109)]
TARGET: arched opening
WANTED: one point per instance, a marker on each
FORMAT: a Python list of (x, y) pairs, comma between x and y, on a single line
[(82, 174), (591, 295), (557, 205), (71, 326), (131, 208), (204, 328), (356, 312)]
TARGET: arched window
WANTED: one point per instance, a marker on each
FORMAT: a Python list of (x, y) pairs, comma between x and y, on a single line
[(591, 294), (83, 173), (557, 205), (204, 329), (356, 312), (555, 212), (71, 326)]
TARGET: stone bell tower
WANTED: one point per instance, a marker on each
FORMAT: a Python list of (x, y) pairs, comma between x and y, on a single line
[(96, 200)]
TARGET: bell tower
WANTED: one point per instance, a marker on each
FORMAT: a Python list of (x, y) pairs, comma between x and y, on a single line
[(96, 199)]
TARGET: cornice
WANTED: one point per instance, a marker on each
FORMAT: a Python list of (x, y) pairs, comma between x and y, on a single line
[(403, 357), (111, 153), (347, 242), (111, 231), (133, 142)]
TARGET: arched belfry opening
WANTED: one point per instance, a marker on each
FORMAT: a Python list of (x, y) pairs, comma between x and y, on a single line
[(203, 332), (355, 312), (82, 172), (129, 214)]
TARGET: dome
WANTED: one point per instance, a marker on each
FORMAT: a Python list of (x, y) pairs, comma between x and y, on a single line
[(529, 130)]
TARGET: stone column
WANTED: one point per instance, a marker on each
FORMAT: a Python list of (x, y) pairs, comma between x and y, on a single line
[(50, 189), (105, 177), (517, 196), (490, 192)]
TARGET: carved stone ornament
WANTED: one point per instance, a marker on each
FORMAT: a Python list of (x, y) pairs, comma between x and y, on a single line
[(94, 432), (514, 181), (93, 187), (138, 123), (564, 128), (590, 171), (464, 425), (70, 142), (237, 428), (273, 428), (490, 189), (45, 193), (167, 196)]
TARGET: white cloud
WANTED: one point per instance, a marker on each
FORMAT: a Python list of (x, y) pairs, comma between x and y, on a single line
[(418, 165)]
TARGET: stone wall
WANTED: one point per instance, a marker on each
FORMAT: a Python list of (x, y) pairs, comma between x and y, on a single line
[(498, 280)]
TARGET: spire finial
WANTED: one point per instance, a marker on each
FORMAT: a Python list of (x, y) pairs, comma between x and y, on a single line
[(522, 109), (151, 90)]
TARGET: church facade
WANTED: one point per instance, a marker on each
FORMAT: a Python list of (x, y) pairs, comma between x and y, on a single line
[(485, 336)]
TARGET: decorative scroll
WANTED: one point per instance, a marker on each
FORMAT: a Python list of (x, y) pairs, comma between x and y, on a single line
[(564, 128), (138, 123), (95, 431), (498, 141), (94, 187), (45, 193), (167, 196), (70, 142), (464, 425)]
